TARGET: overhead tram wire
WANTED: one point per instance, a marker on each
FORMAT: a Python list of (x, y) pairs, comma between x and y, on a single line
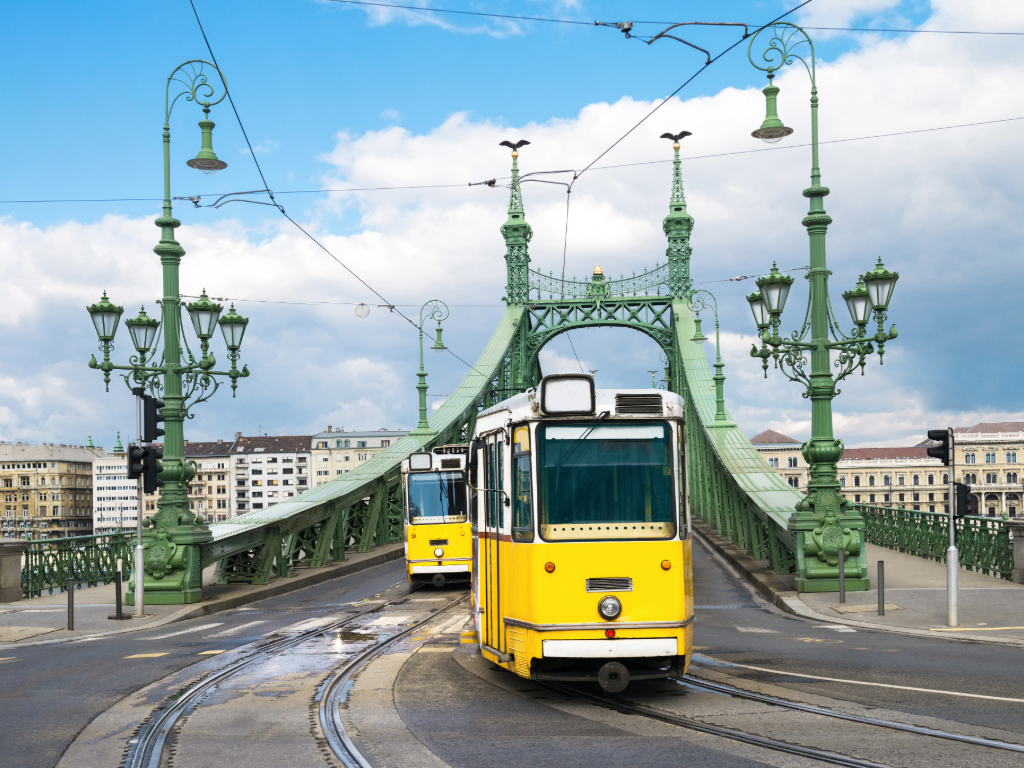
[(392, 307), (502, 178), (549, 20)]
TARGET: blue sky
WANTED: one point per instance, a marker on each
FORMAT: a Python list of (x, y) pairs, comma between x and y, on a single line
[(334, 95)]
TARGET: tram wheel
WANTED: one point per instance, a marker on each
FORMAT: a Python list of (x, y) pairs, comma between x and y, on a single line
[(438, 580), (613, 677)]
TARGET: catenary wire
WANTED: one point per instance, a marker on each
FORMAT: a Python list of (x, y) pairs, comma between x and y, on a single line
[(422, 9), (502, 178), (295, 223)]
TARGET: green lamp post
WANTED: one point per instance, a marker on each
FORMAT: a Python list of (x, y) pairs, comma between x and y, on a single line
[(173, 372), (823, 522), (699, 301), (437, 311)]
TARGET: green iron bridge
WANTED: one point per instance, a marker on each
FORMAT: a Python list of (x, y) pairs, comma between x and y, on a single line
[(732, 488)]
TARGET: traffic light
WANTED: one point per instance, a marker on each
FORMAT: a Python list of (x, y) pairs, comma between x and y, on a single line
[(136, 461), (962, 492), (150, 418), (941, 451), (150, 476)]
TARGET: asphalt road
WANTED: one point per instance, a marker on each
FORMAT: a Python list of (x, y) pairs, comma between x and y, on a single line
[(734, 625), (50, 693)]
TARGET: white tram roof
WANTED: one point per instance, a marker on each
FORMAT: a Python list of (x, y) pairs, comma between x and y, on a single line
[(620, 404)]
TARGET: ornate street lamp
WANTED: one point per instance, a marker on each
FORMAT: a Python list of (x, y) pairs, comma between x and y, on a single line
[(437, 311), (824, 522), (143, 330), (700, 300), (175, 376)]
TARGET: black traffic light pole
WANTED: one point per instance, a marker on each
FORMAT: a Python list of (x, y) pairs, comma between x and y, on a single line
[(946, 454), (140, 575)]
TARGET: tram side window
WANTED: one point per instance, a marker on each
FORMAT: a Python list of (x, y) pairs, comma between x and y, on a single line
[(492, 505), (522, 490)]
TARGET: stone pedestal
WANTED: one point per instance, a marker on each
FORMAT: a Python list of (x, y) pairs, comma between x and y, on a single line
[(1017, 529), (11, 553)]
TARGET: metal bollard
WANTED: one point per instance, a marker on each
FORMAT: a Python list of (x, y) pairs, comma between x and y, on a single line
[(118, 615), (71, 606), (842, 577), (881, 588)]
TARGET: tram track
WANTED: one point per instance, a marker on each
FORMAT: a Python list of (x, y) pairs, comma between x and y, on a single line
[(741, 693), (330, 701), (632, 708), (154, 736)]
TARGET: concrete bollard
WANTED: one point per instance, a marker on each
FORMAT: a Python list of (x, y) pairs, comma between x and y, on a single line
[(881, 588)]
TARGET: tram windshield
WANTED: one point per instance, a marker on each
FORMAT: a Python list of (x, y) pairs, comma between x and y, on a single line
[(437, 497), (605, 481)]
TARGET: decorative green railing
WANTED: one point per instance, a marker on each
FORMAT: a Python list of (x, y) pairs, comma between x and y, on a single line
[(50, 563), (647, 283), (732, 489), (983, 542)]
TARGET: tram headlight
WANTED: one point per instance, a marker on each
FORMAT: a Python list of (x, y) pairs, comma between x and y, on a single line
[(609, 607), (438, 552)]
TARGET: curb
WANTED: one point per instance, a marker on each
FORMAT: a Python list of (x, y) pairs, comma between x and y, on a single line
[(279, 586), (778, 594)]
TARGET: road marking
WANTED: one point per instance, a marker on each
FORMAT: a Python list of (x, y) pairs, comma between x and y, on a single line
[(389, 621), (835, 627), (8, 658), (816, 640), (42, 610), (759, 630), (971, 629), (309, 624), (876, 685), (210, 653), (239, 628), (184, 631), (146, 655)]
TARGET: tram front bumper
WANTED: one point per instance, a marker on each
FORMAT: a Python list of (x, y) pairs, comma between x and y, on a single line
[(627, 647)]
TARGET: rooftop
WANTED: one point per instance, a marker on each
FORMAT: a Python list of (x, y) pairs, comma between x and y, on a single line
[(336, 433), (217, 448), (771, 437), (865, 454), (20, 452), (272, 444)]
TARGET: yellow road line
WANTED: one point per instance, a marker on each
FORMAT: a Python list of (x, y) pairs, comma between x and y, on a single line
[(210, 653), (146, 655), (971, 629)]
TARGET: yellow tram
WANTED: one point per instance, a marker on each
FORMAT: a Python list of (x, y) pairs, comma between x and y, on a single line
[(581, 553), (438, 538)]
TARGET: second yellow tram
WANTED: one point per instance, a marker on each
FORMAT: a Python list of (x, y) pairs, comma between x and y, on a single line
[(438, 537), (582, 560)]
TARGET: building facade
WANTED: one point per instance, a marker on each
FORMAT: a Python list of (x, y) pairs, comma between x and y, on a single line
[(907, 477), (209, 492), (267, 470), (115, 498), (47, 490), (336, 452)]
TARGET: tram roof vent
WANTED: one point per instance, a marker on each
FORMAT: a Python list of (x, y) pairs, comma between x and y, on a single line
[(613, 584), (454, 463), (638, 404)]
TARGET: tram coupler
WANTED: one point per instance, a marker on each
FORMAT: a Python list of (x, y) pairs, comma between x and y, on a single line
[(438, 580), (613, 677)]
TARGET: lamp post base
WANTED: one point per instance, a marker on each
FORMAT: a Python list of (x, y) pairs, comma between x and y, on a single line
[(174, 574)]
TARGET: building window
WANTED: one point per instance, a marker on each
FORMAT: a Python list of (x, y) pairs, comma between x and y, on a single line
[(322, 444), (1011, 458), (885, 498), (917, 497), (969, 458), (931, 497), (931, 508), (901, 497), (871, 480), (945, 479), (931, 479), (886, 480), (856, 498), (773, 462), (917, 507), (385, 443), (856, 481), (871, 498), (346, 457), (990, 477), (1011, 477), (842, 481), (794, 481)]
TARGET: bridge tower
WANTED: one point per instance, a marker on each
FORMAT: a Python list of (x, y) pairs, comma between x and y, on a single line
[(677, 227), (517, 234)]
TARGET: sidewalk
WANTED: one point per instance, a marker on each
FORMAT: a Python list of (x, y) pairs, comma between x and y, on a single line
[(991, 609), (43, 620)]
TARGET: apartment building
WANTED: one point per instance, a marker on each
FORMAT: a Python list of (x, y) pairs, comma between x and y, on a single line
[(209, 492), (47, 490), (908, 477), (115, 498), (336, 452), (267, 470)]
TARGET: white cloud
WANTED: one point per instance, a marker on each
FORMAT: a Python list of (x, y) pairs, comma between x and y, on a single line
[(942, 208), (390, 114), (268, 145)]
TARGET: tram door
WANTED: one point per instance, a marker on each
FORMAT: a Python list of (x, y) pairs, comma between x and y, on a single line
[(490, 542)]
